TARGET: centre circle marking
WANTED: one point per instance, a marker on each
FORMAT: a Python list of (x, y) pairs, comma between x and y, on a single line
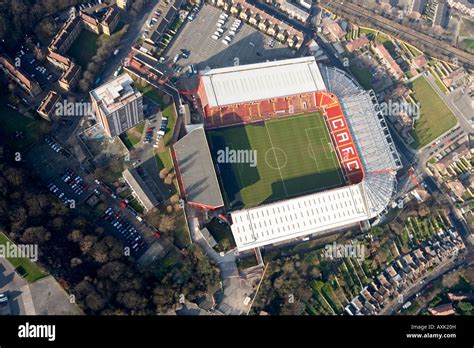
[(274, 152)]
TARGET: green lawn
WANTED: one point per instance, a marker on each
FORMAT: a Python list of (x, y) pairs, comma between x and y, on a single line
[(435, 118), (384, 39), (29, 270), (12, 121), (294, 157), (84, 48), (468, 45), (136, 205), (133, 135), (362, 75), (366, 31), (163, 160), (416, 52)]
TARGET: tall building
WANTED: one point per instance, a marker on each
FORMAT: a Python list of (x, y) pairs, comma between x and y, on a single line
[(118, 105)]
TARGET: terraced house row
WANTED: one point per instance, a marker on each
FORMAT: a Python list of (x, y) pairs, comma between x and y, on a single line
[(265, 22)]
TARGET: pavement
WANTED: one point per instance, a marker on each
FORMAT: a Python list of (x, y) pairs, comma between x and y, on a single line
[(50, 298), (11, 283)]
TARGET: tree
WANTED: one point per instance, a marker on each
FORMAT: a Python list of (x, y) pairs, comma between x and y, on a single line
[(164, 173), (75, 236), (94, 301), (174, 199), (167, 223), (169, 179), (87, 242), (132, 300), (35, 235), (75, 261), (466, 308)]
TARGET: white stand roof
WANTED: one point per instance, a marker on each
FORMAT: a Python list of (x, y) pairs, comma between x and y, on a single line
[(254, 82)]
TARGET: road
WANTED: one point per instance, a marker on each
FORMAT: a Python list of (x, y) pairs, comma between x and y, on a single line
[(129, 40), (409, 295)]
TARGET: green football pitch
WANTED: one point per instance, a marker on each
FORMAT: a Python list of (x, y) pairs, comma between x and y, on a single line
[(294, 156)]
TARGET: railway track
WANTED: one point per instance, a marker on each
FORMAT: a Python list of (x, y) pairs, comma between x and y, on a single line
[(436, 48)]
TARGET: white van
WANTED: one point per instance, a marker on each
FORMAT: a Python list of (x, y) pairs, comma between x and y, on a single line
[(221, 21), (215, 37), (225, 42), (220, 30)]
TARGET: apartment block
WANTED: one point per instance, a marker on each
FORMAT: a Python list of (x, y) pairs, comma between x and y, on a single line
[(70, 77), (48, 105), (118, 105), (19, 76), (66, 36)]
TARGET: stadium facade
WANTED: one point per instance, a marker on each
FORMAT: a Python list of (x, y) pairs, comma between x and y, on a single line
[(258, 92)]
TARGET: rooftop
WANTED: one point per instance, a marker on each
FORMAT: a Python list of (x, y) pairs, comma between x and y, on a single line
[(70, 73), (116, 93), (237, 84), (48, 103), (197, 169), (386, 55), (298, 217), (140, 188)]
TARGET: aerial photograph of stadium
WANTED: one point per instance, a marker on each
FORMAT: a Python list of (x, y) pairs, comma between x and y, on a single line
[(307, 175), (168, 158)]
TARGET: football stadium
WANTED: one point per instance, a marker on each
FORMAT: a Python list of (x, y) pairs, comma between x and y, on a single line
[(286, 149)]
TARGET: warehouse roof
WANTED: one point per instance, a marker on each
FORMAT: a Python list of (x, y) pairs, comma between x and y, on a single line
[(238, 84)]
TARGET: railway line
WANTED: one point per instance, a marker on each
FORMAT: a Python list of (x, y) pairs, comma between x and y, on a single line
[(436, 48)]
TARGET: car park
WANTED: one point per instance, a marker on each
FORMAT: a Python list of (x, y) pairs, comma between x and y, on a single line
[(125, 228)]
